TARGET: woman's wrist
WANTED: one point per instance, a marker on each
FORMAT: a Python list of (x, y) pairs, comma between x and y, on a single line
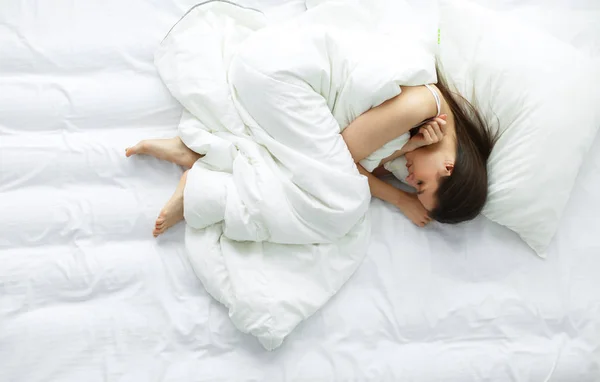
[(408, 147)]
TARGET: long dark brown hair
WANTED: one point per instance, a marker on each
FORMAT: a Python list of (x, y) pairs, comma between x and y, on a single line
[(462, 195)]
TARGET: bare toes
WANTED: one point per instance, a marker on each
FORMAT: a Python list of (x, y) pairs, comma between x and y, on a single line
[(137, 149)]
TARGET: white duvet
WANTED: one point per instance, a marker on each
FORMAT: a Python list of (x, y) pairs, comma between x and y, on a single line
[(87, 294), (276, 210)]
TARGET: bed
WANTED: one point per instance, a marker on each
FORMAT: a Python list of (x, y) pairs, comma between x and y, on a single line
[(87, 294)]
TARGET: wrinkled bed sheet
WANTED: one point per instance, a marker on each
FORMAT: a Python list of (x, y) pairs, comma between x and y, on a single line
[(86, 293)]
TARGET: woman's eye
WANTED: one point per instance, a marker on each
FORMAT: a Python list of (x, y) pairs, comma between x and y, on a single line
[(420, 183)]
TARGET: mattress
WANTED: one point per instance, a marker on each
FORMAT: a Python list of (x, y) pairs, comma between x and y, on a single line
[(87, 294)]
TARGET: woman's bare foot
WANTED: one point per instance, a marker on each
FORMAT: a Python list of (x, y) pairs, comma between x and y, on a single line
[(172, 212), (171, 149)]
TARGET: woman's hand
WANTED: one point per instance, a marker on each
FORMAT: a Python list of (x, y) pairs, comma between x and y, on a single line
[(409, 204), (412, 208), (430, 133)]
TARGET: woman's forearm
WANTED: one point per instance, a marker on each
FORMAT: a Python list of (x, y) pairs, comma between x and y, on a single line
[(409, 204), (383, 190)]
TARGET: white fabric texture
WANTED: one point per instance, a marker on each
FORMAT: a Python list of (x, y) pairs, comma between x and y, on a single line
[(87, 294), (543, 94), (277, 194), (373, 161)]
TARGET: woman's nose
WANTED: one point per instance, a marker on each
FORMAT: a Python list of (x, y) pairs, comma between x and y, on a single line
[(410, 180)]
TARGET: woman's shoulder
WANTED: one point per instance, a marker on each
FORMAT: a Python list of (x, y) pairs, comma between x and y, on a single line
[(422, 100)]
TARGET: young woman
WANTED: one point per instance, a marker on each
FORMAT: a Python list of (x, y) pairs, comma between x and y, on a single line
[(446, 155)]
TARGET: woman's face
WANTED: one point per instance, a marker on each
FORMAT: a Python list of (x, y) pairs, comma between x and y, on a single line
[(426, 166)]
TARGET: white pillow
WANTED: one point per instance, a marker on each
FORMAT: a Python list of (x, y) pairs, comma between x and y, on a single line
[(545, 95)]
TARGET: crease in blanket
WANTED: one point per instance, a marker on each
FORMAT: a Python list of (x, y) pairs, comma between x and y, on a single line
[(276, 211), (205, 3)]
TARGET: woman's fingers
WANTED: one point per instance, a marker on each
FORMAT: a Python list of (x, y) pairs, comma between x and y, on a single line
[(434, 130), (432, 133), (421, 219), (442, 122), (439, 131), (427, 135)]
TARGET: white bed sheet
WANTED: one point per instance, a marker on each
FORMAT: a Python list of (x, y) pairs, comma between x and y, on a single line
[(86, 293)]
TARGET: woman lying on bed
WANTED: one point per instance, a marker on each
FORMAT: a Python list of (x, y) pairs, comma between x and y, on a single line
[(446, 156)]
